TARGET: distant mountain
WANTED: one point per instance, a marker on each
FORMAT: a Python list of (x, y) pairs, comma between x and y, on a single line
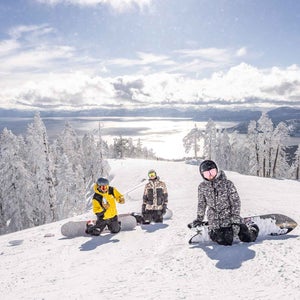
[(287, 114), (291, 116), (164, 112)]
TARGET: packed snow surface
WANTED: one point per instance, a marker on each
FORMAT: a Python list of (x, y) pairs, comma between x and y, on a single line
[(156, 261)]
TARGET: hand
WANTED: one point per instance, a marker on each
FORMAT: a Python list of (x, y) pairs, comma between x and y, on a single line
[(105, 206), (121, 200), (195, 223)]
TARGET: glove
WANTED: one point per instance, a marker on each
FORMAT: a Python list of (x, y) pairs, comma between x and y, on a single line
[(121, 200), (143, 208), (195, 223), (164, 209)]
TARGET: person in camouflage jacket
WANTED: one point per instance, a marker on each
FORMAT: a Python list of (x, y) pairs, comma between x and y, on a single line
[(155, 199), (219, 197)]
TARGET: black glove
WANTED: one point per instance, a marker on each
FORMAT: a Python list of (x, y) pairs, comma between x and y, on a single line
[(196, 223), (143, 208), (164, 209)]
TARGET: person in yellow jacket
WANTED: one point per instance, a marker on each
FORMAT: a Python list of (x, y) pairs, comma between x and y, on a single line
[(105, 208)]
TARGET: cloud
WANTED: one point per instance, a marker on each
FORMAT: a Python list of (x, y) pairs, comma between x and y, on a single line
[(119, 6), (38, 72), (241, 52)]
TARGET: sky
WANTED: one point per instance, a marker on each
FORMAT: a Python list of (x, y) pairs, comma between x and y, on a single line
[(156, 261), (86, 54)]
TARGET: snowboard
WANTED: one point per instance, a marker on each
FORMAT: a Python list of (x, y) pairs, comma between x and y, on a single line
[(139, 217), (269, 224), (77, 228)]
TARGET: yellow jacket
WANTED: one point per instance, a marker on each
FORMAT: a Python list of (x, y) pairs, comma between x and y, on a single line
[(108, 202)]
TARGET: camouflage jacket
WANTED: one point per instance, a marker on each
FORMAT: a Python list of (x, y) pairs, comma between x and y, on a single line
[(221, 200), (155, 195)]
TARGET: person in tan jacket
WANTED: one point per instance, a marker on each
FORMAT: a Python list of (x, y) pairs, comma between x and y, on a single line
[(155, 199)]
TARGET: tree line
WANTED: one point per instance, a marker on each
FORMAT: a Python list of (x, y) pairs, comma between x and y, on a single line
[(42, 182), (261, 152)]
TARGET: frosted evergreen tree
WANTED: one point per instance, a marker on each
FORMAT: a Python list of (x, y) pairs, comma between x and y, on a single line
[(265, 131), (253, 144), (223, 150), (70, 144), (192, 141), (279, 165), (41, 167), (296, 164), (210, 140), (240, 154), (70, 189), (16, 188)]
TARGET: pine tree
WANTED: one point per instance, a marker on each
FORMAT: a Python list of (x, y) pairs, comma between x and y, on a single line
[(41, 167), (16, 186), (192, 141)]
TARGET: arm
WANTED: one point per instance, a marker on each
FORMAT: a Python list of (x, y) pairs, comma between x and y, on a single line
[(201, 204), (235, 203), (118, 196), (165, 194)]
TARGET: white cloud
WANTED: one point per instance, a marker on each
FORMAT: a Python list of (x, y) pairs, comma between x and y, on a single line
[(242, 85), (117, 5), (37, 72), (241, 52)]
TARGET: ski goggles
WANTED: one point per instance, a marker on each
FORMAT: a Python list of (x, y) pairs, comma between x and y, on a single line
[(103, 188), (152, 175), (210, 173)]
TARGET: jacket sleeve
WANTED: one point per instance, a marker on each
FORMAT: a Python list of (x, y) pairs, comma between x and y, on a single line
[(97, 208), (117, 195), (145, 195), (201, 204), (165, 193), (235, 202)]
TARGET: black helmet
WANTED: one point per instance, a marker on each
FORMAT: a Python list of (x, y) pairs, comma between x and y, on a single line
[(207, 165), (102, 181)]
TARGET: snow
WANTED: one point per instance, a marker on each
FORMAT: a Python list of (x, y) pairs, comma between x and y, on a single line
[(156, 262)]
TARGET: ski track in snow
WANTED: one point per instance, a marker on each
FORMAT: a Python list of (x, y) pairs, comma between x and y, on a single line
[(156, 261)]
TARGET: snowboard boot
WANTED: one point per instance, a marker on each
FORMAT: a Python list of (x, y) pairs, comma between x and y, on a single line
[(248, 233), (92, 229), (254, 230)]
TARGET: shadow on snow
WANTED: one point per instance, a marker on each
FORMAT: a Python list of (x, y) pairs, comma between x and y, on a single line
[(232, 257), (96, 241)]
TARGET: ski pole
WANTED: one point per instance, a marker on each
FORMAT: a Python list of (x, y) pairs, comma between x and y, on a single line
[(135, 187)]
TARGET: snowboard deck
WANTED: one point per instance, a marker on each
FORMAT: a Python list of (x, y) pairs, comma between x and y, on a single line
[(269, 225), (139, 217), (73, 229)]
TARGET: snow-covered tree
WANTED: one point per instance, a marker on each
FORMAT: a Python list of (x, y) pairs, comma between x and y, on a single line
[(223, 150), (192, 141), (279, 165), (210, 140), (16, 188), (41, 167)]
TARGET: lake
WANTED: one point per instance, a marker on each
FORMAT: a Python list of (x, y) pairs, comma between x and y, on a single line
[(163, 135)]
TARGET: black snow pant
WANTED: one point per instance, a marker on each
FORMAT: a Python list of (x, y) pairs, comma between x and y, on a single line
[(153, 216), (222, 236), (248, 234), (112, 224)]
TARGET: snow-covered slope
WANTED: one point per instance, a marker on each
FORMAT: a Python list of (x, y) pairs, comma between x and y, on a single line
[(156, 262)]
